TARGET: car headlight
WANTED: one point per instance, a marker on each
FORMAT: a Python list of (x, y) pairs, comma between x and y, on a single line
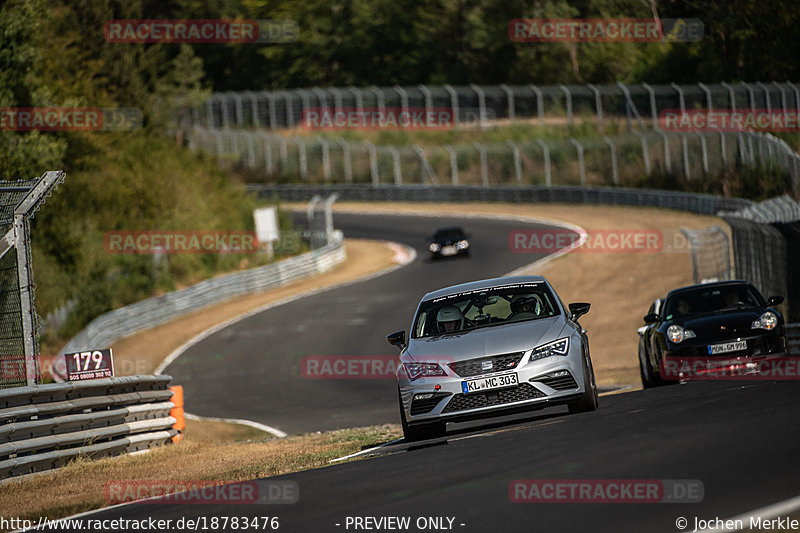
[(559, 347), (435, 247), (766, 321), (423, 370), (678, 334), (462, 245)]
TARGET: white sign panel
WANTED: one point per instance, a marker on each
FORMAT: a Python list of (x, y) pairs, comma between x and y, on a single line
[(266, 224)]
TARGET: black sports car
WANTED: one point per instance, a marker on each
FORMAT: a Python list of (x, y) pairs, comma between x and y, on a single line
[(723, 322), (448, 242)]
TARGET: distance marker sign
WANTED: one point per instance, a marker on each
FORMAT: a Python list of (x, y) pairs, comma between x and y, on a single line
[(91, 364)]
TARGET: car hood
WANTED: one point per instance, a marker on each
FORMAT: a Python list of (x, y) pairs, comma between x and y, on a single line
[(492, 340), (723, 325)]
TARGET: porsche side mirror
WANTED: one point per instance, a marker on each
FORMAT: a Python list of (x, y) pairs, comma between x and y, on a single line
[(775, 300), (577, 310), (397, 338), (650, 318)]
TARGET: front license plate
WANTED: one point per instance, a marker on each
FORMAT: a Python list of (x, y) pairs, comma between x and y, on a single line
[(727, 347), (494, 382), (449, 250)]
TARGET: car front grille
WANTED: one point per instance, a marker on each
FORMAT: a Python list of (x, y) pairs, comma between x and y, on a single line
[(559, 383), (475, 400), (421, 406), (473, 367)]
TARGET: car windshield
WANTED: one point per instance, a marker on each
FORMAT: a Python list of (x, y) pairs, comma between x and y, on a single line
[(484, 308), (717, 299), (448, 235)]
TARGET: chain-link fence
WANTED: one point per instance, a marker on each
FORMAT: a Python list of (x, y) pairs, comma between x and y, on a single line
[(19, 350), (553, 104), (624, 160), (711, 254)]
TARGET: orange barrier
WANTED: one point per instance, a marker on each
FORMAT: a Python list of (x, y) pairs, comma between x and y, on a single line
[(177, 411)]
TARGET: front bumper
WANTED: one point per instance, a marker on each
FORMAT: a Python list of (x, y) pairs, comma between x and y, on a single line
[(551, 381)]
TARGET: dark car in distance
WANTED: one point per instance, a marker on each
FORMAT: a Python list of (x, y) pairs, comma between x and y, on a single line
[(446, 242), (726, 322)]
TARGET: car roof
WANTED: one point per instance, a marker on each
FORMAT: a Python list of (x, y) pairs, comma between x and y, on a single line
[(483, 284), (726, 283)]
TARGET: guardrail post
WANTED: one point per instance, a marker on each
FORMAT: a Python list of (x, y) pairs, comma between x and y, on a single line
[(685, 145), (548, 179), (598, 104), (568, 101), (614, 170), (581, 166), (539, 102), (398, 177), (510, 101), (347, 162), (484, 164), (517, 162), (645, 151), (453, 164)]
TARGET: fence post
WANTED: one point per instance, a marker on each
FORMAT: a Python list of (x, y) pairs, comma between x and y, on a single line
[(517, 162), (379, 98), (548, 179), (453, 163), (704, 150), (373, 162), (685, 145), (283, 151), (645, 151), (267, 154), (337, 99), (398, 177), (653, 110), (706, 90), (403, 98), (510, 101), (579, 147), (326, 159), (539, 102), (422, 169), (731, 93), (598, 103), (453, 101), (428, 97), (253, 108), (614, 171), (237, 99), (251, 151), (346, 161), (358, 96), (766, 96), (484, 164), (481, 105), (796, 94), (680, 96), (752, 94), (301, 149), (568, 100), (722, 150), (783, 96)]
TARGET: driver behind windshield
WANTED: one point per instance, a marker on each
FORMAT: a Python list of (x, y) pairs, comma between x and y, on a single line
[(450, 319)]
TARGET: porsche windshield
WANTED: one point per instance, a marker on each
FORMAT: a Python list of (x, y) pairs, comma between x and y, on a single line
[(714, 299), (485, 307)]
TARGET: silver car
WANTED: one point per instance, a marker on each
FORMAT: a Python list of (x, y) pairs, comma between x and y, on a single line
[(488, 348)]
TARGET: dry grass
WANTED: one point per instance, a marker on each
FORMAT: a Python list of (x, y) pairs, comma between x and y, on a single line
[(79, 486), (620, 286)]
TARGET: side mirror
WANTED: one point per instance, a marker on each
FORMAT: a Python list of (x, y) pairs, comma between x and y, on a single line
[(775, 300), (397, 338), (650, 318), (577, 310)]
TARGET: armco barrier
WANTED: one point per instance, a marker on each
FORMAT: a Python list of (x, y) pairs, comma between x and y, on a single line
[(105, 329), (43, 427), (705, 204)]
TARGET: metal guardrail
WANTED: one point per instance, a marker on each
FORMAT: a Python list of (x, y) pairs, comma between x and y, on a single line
[(105, 329), (793, 337), (696, 203), (43, 427)]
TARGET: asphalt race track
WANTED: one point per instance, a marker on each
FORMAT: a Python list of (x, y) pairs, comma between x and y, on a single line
[(738, 439), (252, 369)]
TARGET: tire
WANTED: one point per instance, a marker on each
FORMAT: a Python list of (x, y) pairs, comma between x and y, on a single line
[(420, 432), (649, 378), (589, 401)]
